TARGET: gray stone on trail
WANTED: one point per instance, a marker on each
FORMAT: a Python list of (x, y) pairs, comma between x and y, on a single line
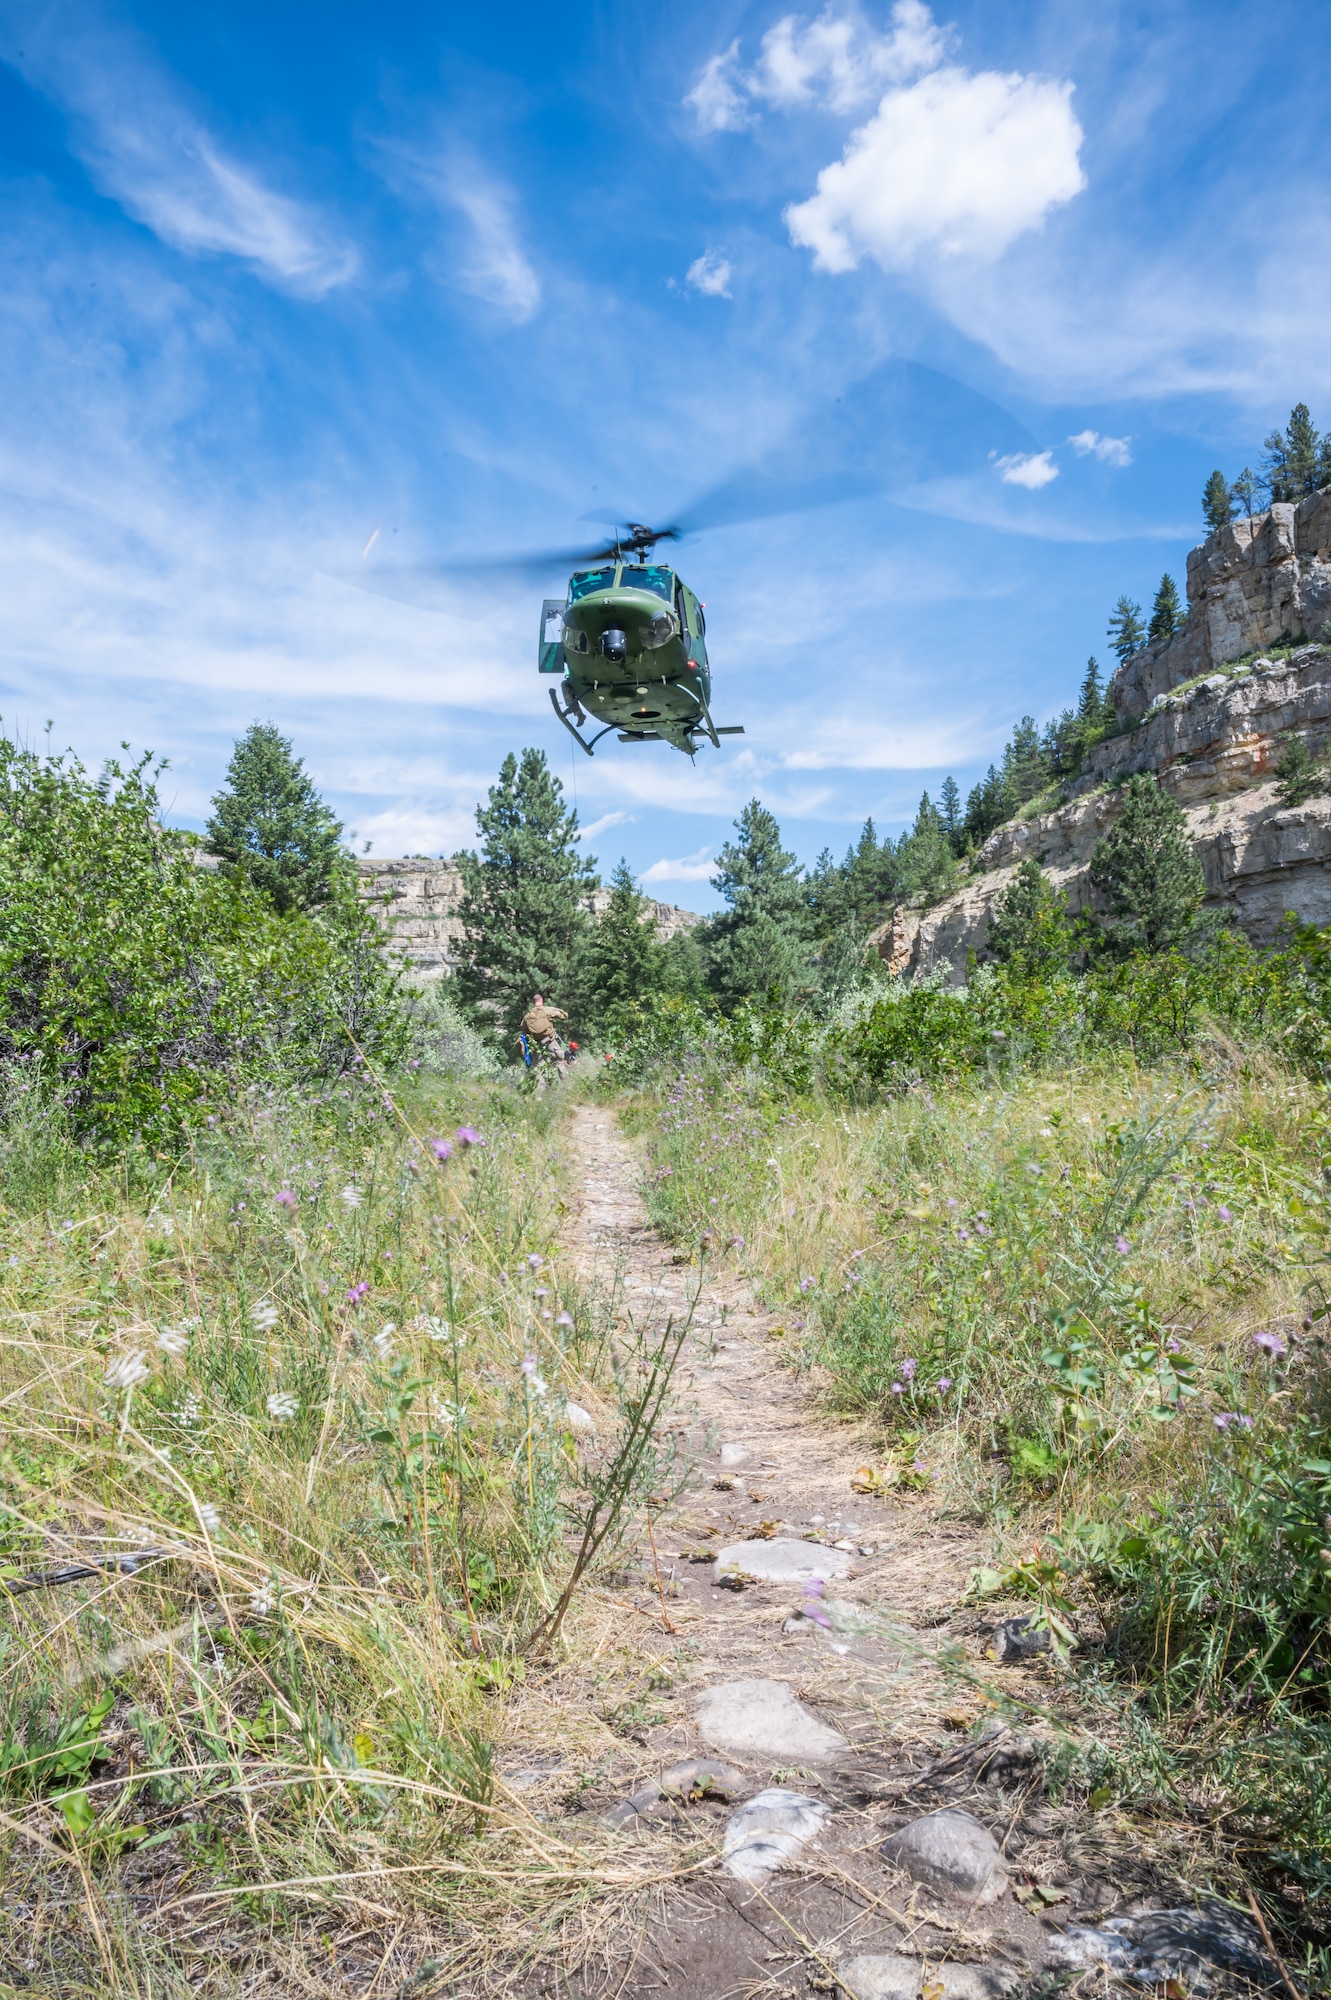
[(782, 1560), (1016, 1640), (1171, 1944), (884, 1976), (761, 1722), (734, 1454), (770, 1832), (950, 1851), (646, 1803)]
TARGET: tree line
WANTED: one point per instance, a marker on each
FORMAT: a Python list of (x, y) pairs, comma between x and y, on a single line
[(1295, 462)]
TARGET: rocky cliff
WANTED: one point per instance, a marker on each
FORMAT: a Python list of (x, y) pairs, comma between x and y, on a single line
[(1209, 713), (417, 901)]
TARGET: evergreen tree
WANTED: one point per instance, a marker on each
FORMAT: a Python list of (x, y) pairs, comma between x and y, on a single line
[(1248, 490), (1217, 501), (270, 825), (925, 862), (626, 962), (1294, 456), (524, 905), (950, 813), (1166, 612), (986, 807), (1146, 871), (758, 945), (1025, 765), (1029, 928), (1127, 634)]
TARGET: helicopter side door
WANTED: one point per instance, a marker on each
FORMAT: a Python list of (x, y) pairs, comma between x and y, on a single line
[(692, 625), (551, 649)]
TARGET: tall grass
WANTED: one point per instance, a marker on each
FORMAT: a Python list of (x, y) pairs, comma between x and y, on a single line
[(1089, 1305), (313, 1376)]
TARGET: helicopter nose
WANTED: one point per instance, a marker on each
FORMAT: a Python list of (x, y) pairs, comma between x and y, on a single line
[(614, 644)]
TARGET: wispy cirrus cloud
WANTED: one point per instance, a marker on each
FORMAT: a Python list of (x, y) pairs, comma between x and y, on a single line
[(604, 824), (482, 252), (144, 144)]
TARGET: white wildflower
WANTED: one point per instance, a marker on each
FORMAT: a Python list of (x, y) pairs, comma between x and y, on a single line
[(446, 1415), (261, 1603), (383, 1340), (128, 1370), (263, 1315), (172, 1341), (283, 1405), (209, 1517), (187, 1413), (352, 1195)]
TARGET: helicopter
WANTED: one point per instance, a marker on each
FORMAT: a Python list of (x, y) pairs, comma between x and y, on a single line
[(630, 642)]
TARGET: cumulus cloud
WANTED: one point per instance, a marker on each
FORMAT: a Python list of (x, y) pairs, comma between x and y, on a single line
[(1109, 451), (1031, 469), (689, 868), (710, 273), (145, 147), (956, 164), (836, 61)]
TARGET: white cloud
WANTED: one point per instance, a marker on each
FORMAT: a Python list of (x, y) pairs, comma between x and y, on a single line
[(409, 828), (717, 98), (495, 267), (836, 61), (143, 146), (603, 824), (710, 273), (1109, 451), (956, 164), (1031, 469), (697, 867)]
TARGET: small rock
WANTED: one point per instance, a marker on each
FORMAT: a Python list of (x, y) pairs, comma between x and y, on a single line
[(769, 1832), (951, 1851), (762, 1722), (1014, 1640), (702, 1777), (1011, 1757), (783, 1560), (1171, 1944), (883, 1976), (734, 1454), (644, 1804)]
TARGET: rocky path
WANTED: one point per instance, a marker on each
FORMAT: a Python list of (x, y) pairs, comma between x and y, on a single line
[(841, 1813)]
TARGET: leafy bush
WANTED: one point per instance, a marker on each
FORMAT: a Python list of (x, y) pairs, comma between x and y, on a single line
[(142, 984)]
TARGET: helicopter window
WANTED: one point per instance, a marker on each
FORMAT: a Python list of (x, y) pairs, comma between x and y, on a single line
[(588, 580), (651, 576)]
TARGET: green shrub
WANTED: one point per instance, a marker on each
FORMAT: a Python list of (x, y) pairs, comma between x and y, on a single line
[(143, 984)]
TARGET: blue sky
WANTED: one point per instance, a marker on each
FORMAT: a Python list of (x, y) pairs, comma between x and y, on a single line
[(276, 276)]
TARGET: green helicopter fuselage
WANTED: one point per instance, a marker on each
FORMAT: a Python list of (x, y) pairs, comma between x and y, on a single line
[(630, 645)]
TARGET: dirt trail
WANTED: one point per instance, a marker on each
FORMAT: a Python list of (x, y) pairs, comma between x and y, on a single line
[(906, 1749)]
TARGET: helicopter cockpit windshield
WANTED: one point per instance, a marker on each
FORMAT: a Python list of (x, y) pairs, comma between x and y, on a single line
[(588, 580), (655, 577)]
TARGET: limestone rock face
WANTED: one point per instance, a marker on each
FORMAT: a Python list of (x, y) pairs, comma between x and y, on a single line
[(1250, 585), (417, 902)]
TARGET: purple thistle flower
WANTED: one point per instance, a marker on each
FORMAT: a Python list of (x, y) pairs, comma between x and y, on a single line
[(285, 1198), (534, 1261), (944, 1384), (529, 1365), (442, 1148), (358, 1291), (1271, 1344), (563, 1319), (908, 1369), (467, 1135), (898, 1389), (807, 1284), (737, 1243), (813, 1603), (1225, 1214), (1228, 1417), (1122, 1245)]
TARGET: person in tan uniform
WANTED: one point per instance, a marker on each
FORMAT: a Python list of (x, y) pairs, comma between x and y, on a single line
[(538, 1025)]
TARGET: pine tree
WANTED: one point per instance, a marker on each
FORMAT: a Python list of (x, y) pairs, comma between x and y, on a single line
[(1127, 634), (1217, 502), (1146, 871), (1025, 766), (950, 812), (270, 825), (524, 905), (1029, 928), (1248, 490), (758, 945), (1166, 612), (1294, 456), (626, 964)]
